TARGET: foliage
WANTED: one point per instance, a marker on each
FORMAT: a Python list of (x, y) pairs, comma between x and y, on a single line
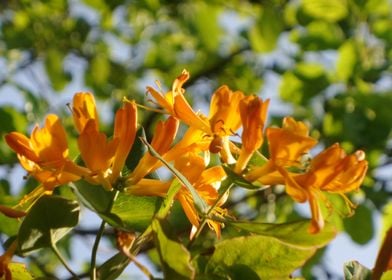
[(327, 63)]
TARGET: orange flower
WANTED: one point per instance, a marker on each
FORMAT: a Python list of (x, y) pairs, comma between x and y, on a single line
[(83, 110), (253, 112), (105, 158), (331, 171), (224, 120), (224, 117), (176, 105), (286, 147), (165, 133), (45, 154), (205, 182)]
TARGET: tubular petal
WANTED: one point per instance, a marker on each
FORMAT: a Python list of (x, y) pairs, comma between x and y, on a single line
[(84, 109)]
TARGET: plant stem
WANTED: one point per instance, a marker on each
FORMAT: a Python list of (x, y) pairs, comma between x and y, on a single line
[(93, 270), (95, 250), (63, 261)]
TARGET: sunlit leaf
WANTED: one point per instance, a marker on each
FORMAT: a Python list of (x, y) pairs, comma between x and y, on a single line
[(347, 61), (319, 35), (294, 233), (204, 20), (50, 219), (55, 68), (354, 270), (387, 275), (19, 272), (174, 257), (100, 69), (263, 36), (271, 260), (135, 212), (329, 10), (304, 82), (386, 219)]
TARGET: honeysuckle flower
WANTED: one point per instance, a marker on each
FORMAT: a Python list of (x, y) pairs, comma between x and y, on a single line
[(175, 104), (104, 158), (253, 112), (194, 141), (205, 181), (164, 135), (287, 145), (330, 171), (83, 110), (223, 121), (45, 154)]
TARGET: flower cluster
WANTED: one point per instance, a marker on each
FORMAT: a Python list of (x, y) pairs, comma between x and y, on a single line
[(45, 154)]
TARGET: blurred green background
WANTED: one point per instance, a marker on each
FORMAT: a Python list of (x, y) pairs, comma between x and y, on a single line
[(327, 62)]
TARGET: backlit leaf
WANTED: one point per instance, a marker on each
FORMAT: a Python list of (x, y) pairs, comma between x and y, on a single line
[(174, 257), (354, 270), (329, 10)]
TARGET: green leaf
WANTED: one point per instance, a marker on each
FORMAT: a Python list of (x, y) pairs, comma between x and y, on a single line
[(238, 179), (200, 204), (135, 212), (19, 272), (113, 267), (50, 219), (95, 197), (347, 61), (387, 275), (100, 69), (8, 226), (281, 248), (303, 83), (319, 35), (55, 70), (174, 257), (256, 256), (328, 10), (204, 20), (368, 117), (167, 204), (263, 35), (362, 216), (294, 233), (355, 271), (11, 120), (128, 212), (386, 219)]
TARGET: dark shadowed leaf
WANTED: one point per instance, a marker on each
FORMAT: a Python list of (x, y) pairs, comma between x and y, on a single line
[(363, 217), (113, 267), (50, 219), (128, 212)]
